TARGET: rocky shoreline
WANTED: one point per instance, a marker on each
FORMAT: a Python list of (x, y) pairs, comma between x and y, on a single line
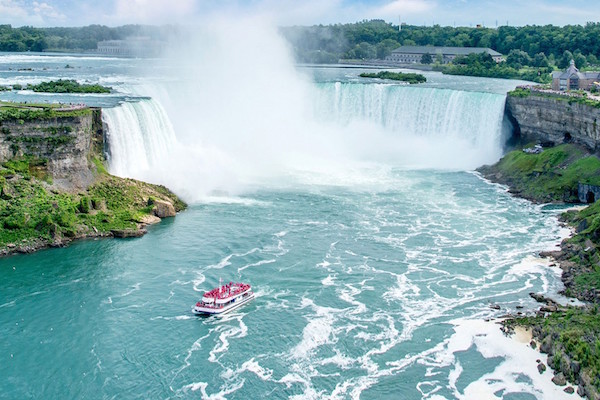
[(567, 334), (161, 209)]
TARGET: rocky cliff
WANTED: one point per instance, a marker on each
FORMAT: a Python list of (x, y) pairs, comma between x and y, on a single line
[(62, 139), (556, 119)]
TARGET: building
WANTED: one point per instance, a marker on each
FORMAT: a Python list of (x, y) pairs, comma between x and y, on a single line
[(131, 47), (413, 54), (572, 79)]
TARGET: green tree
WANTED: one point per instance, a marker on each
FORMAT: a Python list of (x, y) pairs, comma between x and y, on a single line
[(580, 60), (565, 60), (426, 59), (540, 60), (517, 59), (385, 48)]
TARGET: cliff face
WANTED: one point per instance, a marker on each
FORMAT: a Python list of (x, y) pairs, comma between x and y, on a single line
[(557, 120), (65, 145)]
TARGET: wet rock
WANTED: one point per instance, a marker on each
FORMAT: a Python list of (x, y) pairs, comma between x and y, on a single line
[(128, 233), (569, 389), (549, 309), (559, 379), (533, 344), (494, 306), (580, 391), (541, 368)]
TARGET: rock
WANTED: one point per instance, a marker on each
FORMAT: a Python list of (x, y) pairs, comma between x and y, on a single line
[(537, 297), (163, 209), (11, 245), (580, 391), (575, 367), (541, 368), (533, 344), (128, 233), (494, 306), (149, 219), (559, 379), (546, 346), (519, 307), (548, 309), (569, 389)]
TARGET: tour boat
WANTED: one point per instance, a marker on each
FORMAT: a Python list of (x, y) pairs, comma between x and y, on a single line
[(223, 299)]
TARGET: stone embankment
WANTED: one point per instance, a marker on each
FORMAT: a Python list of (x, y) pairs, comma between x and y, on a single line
[(554, 118)]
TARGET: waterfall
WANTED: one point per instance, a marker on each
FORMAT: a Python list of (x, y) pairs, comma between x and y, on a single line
[(140, 136), (414, 111), (326, 133)]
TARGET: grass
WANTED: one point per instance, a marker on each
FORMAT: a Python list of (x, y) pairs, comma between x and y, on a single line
[(29, 211), (21, 112), (550, 176), (578, 97)]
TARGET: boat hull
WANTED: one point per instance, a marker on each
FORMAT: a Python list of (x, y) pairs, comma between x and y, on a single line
[(225, 309)]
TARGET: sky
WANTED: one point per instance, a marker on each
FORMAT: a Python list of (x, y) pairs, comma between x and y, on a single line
[(490, 13)]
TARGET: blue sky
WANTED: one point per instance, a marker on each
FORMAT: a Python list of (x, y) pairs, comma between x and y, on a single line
[(301, 12)]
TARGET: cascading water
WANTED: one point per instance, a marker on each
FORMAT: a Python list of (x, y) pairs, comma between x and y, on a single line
[(140, 136), (344, 123)]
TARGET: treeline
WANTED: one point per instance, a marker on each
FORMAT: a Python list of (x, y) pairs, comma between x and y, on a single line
[(376, 39), (482, 64), (73, 39)]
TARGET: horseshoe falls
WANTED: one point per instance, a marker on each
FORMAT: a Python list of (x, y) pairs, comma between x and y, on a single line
[(341, 125), (352, 208)]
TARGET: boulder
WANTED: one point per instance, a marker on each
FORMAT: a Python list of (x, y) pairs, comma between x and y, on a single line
[(149, 219), (163, 209), (569, 390), (541, 368), (546, 346), (559, 379)]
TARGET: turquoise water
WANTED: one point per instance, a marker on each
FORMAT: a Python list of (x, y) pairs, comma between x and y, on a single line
[(357, 292), (374, 254)]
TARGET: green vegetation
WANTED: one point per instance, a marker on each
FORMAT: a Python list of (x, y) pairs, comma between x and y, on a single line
[(68, 86), (570, 335), (574, 336), (543, 45), (28, 112), (396, 76), (552, 175), (73, 39), (482, 64), (572, 97), (31, 212)]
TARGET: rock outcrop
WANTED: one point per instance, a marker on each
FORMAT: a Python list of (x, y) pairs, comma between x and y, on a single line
[(62, 144), (556, 120), (163, 209)]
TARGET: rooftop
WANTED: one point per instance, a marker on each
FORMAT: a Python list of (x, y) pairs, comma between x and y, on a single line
[(459, 51)]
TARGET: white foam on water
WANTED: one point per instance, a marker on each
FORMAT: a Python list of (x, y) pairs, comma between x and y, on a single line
[(329, 281), (227, 332), (519, 359)]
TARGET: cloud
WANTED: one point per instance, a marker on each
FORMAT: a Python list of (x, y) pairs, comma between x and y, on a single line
[(20, 12), (10, 9), (154, 11), (46, 11), (399, 7)]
